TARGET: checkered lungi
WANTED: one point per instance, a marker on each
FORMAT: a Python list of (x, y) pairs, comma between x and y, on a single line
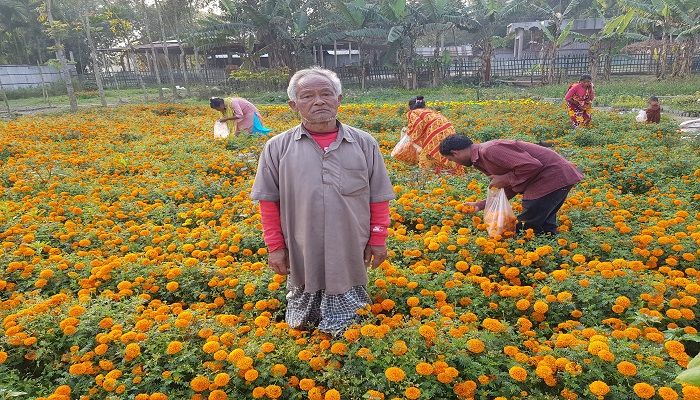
[(330, 313)]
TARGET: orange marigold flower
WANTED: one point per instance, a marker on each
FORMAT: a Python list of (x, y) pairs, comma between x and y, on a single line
[(626, 368), (221, 379), (412, 393), (306, 384), (332, 395), (475, 345), (200, 383), (666, 393), (644, 390), (424, 368), (493, 325), (273, 391), (218, 395), (394, 374), (174, 347), (599, 388), (518, 373)]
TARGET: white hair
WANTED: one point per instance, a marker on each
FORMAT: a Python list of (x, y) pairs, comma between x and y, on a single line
[(318, 71)]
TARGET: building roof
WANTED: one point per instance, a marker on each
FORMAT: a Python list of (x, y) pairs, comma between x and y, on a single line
[(595, 24)]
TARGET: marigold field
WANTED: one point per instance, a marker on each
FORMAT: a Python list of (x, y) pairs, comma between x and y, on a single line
[(132, 266)]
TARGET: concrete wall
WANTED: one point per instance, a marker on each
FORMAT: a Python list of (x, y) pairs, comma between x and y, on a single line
[(15, 77)]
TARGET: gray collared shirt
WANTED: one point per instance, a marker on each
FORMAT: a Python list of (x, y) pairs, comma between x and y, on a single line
[(324, 203)]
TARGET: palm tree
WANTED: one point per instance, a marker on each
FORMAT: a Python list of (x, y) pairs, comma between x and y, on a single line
[(485, 19), (555, 31), (56, 30), (672, 20)]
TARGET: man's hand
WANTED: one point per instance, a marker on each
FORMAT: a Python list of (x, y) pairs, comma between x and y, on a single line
[(374, 255), (499, 181), (476, 205), (279, 261)]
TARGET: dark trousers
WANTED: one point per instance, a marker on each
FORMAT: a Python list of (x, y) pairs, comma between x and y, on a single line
[(541, 214)]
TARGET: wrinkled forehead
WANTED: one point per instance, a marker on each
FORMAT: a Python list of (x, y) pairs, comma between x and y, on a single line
[(314, 82)]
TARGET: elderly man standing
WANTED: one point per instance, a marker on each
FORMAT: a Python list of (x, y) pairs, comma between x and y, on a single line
[(540, 174), (324, 197)]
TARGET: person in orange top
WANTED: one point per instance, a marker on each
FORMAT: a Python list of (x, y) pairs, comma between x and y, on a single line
[(426, 129)]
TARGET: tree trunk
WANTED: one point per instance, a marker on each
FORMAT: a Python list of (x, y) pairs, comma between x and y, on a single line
[(661, 74), (65, 71), (130, 48), (362, 66), (4, 98), (197, 66), (184, 67), (164, 42), (594, 60), (153, 51), (486, 55), (95, 62)]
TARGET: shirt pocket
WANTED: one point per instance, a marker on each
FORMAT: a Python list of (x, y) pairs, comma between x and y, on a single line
[(354, 182)]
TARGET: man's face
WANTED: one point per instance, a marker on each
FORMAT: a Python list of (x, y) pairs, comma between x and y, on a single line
[(316, 100), (461, 157)]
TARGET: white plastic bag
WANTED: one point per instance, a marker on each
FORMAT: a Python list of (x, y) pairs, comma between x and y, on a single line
[(642, 116), (498, 214), (405, 150), (220, 130)]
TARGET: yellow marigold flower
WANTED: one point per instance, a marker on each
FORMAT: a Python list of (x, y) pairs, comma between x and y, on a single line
[(540, 307), (427, 331), (211, 347), (493, 325), (626, 368), (200, 383), (258, 392), (518, 373), (674, 347), (399, 348), (273, 391), (644, 390), (332, 395), (394, 374), (132, 351), (475, 345), (221, 379), (267, 347), (544, 371), (339, 348), (424, 368), (599, 388), (251, 375), (412, 393), (279, 370), (218, 395), (157, 396), (306, 384), (666, 393), (522, 304), (174, 347)]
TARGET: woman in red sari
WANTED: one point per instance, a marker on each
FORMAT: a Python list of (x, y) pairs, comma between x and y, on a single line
[(426, 128), (579, 99)]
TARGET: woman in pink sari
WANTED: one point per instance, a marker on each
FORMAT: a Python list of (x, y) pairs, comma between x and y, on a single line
[(579, 99)]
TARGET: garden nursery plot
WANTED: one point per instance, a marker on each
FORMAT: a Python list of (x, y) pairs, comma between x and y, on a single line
[(132, 266)]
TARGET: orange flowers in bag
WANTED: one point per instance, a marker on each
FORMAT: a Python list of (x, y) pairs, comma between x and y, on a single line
[(498, 214)]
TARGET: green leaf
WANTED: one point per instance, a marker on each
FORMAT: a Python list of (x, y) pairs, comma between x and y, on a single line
[(695, 362), (395, 33), (690, 376)]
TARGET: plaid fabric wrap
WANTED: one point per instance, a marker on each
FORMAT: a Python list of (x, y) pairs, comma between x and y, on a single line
[(330, 313)]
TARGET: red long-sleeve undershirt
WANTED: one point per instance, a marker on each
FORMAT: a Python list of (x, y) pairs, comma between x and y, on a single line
[(270, 211)]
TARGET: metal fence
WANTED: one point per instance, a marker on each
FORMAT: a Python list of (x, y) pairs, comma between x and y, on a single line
[(564, 66)]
